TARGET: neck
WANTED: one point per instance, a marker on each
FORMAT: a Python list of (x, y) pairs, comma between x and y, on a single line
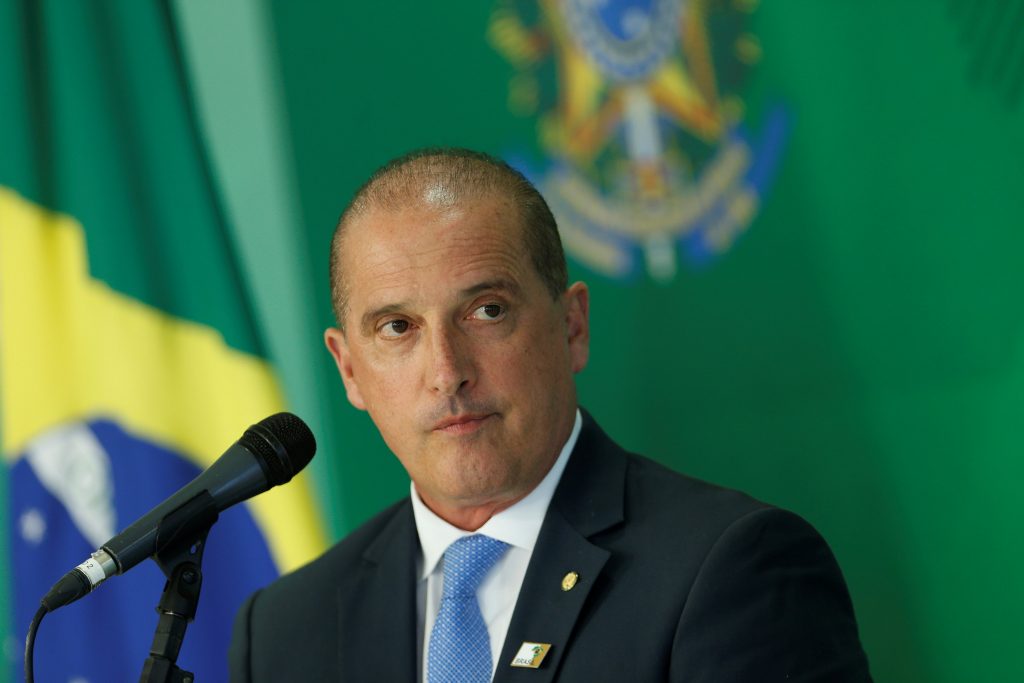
[(467, 517)]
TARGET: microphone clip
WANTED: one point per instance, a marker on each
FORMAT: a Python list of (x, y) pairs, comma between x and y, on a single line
[(181, 540)]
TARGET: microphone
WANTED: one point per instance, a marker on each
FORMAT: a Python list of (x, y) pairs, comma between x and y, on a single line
[(269, 453)]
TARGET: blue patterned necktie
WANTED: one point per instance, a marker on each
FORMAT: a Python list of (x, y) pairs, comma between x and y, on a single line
[(460, 648)]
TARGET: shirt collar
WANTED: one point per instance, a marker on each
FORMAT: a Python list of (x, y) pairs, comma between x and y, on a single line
[(517, 525)]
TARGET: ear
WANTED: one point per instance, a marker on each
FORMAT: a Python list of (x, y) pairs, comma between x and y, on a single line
[(337, 345), (577, 318)]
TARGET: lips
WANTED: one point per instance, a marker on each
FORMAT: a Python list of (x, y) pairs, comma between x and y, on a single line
[(462, 424)]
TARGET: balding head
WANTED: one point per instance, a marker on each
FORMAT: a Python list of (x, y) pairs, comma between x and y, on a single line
[(447, 178)]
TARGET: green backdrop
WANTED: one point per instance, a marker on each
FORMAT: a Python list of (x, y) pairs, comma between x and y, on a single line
[(857, 356)]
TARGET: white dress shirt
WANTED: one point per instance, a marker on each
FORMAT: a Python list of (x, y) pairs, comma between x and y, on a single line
[(518, 526)]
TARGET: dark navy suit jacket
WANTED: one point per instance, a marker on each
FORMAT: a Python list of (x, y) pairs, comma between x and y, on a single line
[(679, 580)]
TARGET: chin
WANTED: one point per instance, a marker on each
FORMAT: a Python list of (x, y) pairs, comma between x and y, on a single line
[(476, 491), (483, 489)]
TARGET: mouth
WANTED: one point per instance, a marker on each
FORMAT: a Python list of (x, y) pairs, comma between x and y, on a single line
[(463, 424)]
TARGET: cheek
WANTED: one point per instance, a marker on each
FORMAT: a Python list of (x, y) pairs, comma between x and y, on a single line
[(380, 386), (510, 365), (545, 358), (383, 378), (527, 375)]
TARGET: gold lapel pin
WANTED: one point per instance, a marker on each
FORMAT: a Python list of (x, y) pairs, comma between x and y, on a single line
[(569, 581), (530, 655)]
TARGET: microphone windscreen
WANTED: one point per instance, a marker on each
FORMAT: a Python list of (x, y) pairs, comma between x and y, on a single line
[(282, 443)]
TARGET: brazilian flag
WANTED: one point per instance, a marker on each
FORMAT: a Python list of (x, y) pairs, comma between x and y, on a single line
[(131, 355)]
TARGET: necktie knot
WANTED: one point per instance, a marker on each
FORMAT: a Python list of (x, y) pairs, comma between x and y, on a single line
[(467, 561)]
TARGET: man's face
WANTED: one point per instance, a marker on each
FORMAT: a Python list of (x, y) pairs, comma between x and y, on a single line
[(458, 351)]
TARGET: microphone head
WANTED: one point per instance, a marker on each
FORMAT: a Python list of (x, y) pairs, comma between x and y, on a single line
[(282, 444)]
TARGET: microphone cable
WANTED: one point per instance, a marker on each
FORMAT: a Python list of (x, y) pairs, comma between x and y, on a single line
[(30, 643)]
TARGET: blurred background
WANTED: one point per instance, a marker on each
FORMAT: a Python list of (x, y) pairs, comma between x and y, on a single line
[(802, 224)]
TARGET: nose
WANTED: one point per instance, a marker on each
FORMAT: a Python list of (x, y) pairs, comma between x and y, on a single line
[(451, 362)]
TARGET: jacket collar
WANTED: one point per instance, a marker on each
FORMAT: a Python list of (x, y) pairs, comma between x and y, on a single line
[(589, 500)]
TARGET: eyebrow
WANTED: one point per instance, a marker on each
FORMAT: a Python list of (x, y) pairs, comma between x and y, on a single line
[(500, 285), (366, 322)]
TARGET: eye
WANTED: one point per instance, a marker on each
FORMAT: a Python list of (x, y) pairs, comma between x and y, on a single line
[(488, 312), (393, 329)]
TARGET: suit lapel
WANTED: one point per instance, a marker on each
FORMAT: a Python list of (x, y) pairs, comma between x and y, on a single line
[(589, 500), (378, 637)]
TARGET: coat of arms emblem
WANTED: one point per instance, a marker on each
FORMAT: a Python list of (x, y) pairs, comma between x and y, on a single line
[(649, 154)]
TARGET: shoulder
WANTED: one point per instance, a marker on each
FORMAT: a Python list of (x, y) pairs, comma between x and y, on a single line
[(294, 597), (290, 625), (652, 484), (653, 517), (341, 559), (687, 519), (739, 586), (646, 494)]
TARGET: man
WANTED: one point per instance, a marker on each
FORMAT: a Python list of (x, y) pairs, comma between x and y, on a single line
[(459, 334)]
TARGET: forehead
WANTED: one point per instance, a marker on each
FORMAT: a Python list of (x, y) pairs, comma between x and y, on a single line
[(432, 249)]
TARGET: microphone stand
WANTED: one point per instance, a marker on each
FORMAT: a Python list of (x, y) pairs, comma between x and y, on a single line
[(181, 540)]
